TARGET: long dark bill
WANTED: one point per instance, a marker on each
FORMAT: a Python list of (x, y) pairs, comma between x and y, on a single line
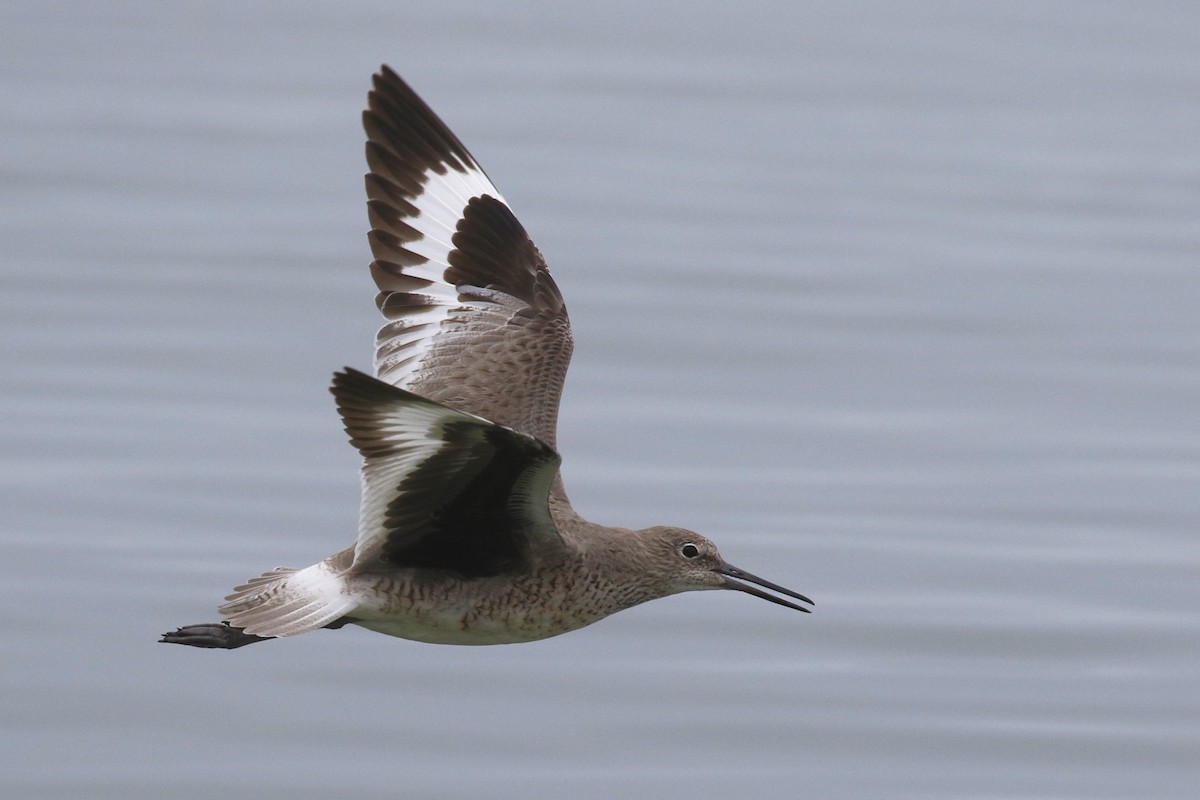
[(731, 572)]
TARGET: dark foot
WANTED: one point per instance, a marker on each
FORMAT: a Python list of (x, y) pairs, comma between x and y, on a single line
[(220, 635)]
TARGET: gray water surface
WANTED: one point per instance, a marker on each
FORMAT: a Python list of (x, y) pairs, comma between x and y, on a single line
[(896, 302)]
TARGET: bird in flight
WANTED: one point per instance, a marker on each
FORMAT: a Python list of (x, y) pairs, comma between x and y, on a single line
[(465, 533)]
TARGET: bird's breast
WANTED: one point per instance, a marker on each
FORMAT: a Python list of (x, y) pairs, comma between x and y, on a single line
[(502, 610)]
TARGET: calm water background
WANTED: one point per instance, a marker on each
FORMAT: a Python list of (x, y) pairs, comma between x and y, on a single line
[(897, 302)]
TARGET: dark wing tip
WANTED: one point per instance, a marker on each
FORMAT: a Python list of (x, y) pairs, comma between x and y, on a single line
[(399, 120), (349, 380), (358, 393)]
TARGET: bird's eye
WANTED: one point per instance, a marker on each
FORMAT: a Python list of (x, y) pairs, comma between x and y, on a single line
[(689, 550)]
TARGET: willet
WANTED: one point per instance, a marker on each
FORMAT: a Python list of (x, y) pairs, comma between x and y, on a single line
[(465, 533)]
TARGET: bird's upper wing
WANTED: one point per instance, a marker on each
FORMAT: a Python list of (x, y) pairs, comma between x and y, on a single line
[(443, 489), (474, 319)]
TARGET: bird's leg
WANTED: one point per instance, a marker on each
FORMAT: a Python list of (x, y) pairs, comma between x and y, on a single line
[(218, 635)]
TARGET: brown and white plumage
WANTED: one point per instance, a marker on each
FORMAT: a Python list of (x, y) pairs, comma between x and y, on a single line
[(465, 535), (487, 483), (475, 320)]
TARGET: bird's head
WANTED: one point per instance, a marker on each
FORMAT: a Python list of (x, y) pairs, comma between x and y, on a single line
[(683, 561)]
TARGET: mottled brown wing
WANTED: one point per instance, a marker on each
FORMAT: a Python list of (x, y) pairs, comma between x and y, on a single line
[(474, 319)]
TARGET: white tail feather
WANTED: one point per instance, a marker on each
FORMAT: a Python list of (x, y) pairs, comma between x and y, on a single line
[(288, 602)]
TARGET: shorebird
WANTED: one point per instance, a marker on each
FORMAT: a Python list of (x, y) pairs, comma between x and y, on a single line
[(465, 533)]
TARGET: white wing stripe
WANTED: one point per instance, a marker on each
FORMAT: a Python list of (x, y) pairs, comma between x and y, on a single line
[(404, 342)]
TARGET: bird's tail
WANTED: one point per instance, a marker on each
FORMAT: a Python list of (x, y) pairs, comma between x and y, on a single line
[(287, 602)]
